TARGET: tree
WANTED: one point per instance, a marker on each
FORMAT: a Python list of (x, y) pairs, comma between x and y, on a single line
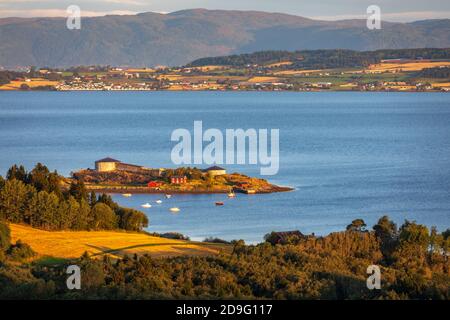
[(413, 233), (103, 217), (385, 229), (44, 180), (83, 219), (2, 182), (18, 173), (72, 214), (15, 199), (106, 199), (387, 233), (92, 199), (45, 211), (132, 220), (357, 225), (446, 234), (271, 238), (5, 237), (38, 176), (78, 190)]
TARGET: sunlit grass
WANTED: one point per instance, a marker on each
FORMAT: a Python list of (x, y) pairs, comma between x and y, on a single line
[(54, 246)]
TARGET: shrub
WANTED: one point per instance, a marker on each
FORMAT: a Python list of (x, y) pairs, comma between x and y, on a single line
[(174, 235), (20, 251), (216, 240)]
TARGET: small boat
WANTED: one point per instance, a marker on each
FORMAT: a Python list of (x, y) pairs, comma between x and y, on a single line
[(168, 196), (146, 205), (158, 201), (231, 195), (126, 195), (175, 209), (219, 203)]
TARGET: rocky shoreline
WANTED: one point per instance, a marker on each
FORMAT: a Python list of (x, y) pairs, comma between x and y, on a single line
[(146, 190)]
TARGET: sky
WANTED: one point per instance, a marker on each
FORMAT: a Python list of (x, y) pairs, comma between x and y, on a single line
[(391, 10)]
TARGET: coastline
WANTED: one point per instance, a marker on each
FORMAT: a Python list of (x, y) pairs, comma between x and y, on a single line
[(145, 190), (206, 90)]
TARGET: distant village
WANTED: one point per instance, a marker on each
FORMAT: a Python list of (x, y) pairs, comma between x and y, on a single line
[(388, 75)]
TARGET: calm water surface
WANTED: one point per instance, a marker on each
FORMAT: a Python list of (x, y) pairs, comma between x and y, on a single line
[(348, 155)]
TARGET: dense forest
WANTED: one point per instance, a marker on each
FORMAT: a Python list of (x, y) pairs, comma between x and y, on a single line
[(38, 198), (321, 59), (7, 76), (413, 262), (438, 72)]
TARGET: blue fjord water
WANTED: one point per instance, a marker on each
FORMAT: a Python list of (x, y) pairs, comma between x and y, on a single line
[(348, 155)]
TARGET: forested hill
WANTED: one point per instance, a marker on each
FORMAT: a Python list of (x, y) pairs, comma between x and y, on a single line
[(150, 39), (311, 59)]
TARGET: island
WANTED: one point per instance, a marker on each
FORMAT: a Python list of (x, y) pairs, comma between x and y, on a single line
[(114, 176)]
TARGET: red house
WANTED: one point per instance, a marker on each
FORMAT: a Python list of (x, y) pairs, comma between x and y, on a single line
[(178, 179), (154, 184)]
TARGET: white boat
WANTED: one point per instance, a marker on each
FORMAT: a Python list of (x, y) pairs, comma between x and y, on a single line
[(158, 201), (231, 195), (126, 195), (175, 209), (168, 196), (146, 205)]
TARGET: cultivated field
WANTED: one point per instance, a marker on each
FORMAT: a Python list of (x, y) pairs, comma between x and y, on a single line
[(297, 72), (441, 84), (72, 244), (406, 67), (209, 68), (279, 64), (15, 85), (263, 79)]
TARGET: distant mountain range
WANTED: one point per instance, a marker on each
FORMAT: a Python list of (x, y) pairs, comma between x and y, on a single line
[(150, 39)]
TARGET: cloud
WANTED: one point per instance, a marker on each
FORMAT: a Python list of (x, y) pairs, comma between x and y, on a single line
[(129, 2), (133, 2), (59, 13), (393, 17)]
